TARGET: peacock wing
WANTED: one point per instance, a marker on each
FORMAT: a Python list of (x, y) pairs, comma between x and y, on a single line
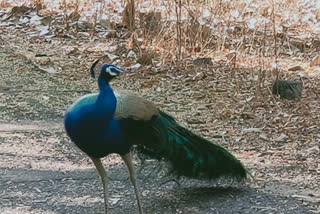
[(129, 105)]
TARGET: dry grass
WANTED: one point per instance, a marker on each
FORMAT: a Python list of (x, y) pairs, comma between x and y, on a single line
[(202, 28)]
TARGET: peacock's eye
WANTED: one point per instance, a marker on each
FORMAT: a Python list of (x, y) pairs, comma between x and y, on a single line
[(111, 71)]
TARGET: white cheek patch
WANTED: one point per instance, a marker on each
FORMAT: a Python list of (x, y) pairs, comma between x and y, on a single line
[(108, 70)]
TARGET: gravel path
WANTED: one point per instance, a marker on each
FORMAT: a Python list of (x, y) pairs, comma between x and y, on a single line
[(41, 171)]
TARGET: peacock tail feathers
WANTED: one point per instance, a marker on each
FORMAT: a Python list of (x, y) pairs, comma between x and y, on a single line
[(189, 154)]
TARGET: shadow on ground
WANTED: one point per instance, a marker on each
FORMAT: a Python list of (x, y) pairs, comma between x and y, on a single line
[(79, 191)]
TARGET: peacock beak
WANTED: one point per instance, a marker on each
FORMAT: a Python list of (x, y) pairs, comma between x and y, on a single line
[(120, 70)]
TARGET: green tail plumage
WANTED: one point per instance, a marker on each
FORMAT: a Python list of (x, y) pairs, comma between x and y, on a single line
[(189, 154)]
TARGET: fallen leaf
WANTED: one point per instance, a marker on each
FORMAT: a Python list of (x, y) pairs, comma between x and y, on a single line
[(296, 68), (252, 130), (315, 61), (281, 137), (50, 70)]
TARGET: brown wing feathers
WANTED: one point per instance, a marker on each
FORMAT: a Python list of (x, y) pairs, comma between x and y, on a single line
[(129, 105)]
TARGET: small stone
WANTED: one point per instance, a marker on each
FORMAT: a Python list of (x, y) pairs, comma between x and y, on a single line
[(145, 193)]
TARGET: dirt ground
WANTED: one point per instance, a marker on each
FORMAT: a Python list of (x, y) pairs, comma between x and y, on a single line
[(41, 171)]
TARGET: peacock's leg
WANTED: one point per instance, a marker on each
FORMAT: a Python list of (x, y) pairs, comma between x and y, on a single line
[(128, 161), (103, 175)]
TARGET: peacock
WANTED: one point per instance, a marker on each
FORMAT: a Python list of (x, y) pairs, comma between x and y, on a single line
[(113, 121)]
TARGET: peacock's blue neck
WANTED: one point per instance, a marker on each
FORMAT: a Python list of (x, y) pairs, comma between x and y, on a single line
[(103, 84), (106, 102)]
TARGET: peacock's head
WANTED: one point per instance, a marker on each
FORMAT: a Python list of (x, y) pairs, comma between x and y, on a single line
[(107, 71)]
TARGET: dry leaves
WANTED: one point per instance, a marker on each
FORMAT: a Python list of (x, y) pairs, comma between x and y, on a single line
[(212, 91)]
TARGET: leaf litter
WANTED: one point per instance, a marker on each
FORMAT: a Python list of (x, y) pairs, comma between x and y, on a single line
[(278, 140)]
